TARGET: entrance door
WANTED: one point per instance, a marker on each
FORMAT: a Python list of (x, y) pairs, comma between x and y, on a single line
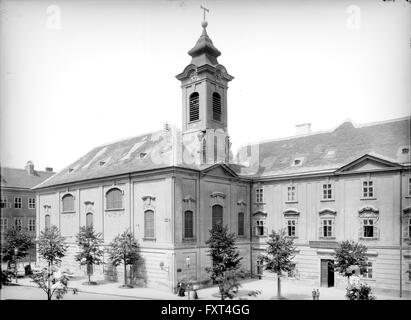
[(327, 273)]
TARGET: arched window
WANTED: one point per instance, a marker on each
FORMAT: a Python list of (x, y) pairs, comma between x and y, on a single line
[(47, 222), (188, 224), (89, 220), (204, 150), (194, 106), (68, 203), (114, 199), (241, 223), (149, 224), (217, 215), (216, 106)]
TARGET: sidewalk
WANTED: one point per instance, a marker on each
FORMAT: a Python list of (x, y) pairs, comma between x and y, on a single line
[(268, 288)]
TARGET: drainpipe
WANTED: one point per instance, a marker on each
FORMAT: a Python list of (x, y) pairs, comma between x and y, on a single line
[(401, 215), (250, 227)]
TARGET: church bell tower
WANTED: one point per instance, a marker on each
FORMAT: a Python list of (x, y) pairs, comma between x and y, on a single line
[(204, 100)]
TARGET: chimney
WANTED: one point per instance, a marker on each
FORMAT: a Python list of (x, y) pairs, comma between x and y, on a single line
[(48, 169), (29, 168), (303, 128)]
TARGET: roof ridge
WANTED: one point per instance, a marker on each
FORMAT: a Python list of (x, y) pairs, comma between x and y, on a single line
[(355, 124), (132, 137), (22, 169)]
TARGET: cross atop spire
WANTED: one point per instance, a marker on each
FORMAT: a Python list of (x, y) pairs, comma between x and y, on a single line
[(204, 23)]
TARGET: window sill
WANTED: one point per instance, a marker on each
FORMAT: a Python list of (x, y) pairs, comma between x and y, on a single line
[(327, 200), (189, 239), (118, 209), (258, 236), (68, 211), (365, 238), (149, 239), (194, 121), (292, 237), (292, 201), (372, 198), (259, 203), (327, 238)]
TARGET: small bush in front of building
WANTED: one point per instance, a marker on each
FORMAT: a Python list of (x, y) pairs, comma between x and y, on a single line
[(362, 291), (6, 277)]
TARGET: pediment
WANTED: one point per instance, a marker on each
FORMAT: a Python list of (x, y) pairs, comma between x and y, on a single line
[(220, 170), (368, 163)]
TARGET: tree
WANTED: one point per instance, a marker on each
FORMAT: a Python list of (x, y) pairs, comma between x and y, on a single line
[(90, 253), (278, 255), (124, 249), (226, 261), (53, 283), (350, 254), (52, 248), (17, 244)]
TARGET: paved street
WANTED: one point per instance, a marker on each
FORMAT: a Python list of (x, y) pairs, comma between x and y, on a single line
[(111, 290)]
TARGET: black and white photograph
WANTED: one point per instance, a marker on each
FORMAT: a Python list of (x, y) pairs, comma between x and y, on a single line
[(215, 150)]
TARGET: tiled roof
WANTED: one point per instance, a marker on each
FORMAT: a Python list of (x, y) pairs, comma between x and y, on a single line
[(154, 150), (331, 150), (317, 151), (19, 178)]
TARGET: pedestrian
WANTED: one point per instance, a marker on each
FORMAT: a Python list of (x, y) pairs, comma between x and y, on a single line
[(318, 294), (181, 290), (314, 293)]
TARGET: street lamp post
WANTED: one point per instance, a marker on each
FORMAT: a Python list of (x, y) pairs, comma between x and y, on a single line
[(188, 276)]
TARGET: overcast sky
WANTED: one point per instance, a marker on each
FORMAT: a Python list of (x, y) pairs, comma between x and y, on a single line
[(78, 74)]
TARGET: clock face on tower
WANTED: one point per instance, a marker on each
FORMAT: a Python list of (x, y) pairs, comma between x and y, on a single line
[(193, 76)]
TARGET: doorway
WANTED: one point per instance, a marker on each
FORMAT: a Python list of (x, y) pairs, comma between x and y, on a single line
[(327, 273)]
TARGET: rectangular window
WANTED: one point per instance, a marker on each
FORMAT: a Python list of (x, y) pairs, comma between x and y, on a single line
[(327, 228), (18, 222), (4, 224), (367, 189), (4, 203), (259, 195), (409, 186), (17, 202), (368, 228), (368, 272), (291, 193), (241, 223), (149, 224), (188, 224), (260, 228), (32, 225), (291, 228), (409, 272), (327, 191), (32, 203)]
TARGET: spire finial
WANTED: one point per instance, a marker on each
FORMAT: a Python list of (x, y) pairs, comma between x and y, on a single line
[(204, 24)]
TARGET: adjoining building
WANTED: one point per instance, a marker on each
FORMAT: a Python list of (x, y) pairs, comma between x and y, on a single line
[(18, 201), (169, 187)]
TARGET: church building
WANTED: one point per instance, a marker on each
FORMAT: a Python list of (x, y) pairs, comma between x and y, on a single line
[(171, 186)]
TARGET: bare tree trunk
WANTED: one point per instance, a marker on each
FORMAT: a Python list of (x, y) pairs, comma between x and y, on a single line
[(125, 274), (278, 286), (48, 282)]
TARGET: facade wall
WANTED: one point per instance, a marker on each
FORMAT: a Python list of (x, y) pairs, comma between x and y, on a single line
[(344, 208), (25, 214)]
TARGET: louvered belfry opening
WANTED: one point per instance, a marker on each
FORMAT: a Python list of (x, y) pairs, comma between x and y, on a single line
[(216, 106), (194, 107)]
